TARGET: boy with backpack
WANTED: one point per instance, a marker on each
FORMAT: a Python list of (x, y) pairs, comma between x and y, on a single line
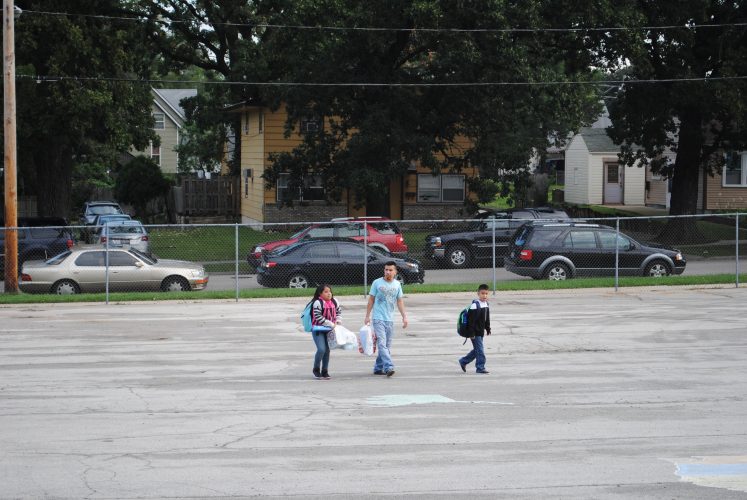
[(478, 324)]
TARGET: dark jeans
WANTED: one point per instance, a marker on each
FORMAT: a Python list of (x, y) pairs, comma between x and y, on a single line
[(322, 350), (477, 352)]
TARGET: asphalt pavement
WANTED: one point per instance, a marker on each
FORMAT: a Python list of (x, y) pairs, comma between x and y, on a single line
[(591, 394)]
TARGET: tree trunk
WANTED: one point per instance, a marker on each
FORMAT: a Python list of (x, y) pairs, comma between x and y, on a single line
[(54, 182), (684, 199), (687, 166)]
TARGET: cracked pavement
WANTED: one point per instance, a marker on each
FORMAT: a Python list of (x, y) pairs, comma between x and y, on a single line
[(592, 394)]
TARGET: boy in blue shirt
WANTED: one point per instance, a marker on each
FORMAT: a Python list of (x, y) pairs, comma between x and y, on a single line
[(478, 323), (385, 293)]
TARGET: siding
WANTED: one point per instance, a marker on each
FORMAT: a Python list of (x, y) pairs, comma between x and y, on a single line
[(252, 157), (719, 197), (576, 168), (169, 139), (635, 185)]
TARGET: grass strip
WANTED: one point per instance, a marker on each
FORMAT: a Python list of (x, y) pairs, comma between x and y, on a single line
[(520, 285)]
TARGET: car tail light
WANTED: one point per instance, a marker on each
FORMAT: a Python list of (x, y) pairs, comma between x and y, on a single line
[(144, 238), (525, 255), (270, 264), (400, 239), (70, 244), (25, 277), (103, 239)]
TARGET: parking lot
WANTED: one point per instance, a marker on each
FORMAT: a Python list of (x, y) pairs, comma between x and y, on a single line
[(592, 394)]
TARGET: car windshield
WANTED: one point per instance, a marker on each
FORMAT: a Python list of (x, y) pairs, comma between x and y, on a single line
[(299, 233), (129, 229), (104, 210), (148, 259), (57, 259)]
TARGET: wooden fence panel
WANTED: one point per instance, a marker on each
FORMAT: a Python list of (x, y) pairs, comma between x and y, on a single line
[(211, 196)]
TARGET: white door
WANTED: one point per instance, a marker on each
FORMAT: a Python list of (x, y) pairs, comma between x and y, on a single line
[(613, 183)]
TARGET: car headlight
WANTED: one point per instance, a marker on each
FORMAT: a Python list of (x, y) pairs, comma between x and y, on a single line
[(678, 257), (437, 242), (198, 272), (412, 266)]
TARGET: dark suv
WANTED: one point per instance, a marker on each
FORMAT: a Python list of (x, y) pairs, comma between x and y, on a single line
[(458, 249), (39, 238), (558, 251)]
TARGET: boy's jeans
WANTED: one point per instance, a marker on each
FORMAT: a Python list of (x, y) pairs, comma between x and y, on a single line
[(384, 331), (477, 352), (322, 350)]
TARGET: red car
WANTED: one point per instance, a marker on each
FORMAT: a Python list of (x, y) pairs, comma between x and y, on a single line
[(382, 234)]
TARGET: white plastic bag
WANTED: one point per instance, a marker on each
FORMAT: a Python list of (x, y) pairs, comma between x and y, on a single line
[(367, 341), (341, 338)]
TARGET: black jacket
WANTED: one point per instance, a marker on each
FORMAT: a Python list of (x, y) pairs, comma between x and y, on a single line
[(478, 321)]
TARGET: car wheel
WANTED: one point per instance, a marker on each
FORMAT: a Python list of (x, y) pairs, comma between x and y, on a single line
[(66, 287), (298, 281), (657, 269), (457, 257), (557, 271), (175, 284)]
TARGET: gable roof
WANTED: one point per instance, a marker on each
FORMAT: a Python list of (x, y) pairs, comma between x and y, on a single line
[(597, 140), (173, 97)]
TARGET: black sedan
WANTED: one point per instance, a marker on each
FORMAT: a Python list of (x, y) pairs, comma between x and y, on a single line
[(336, 261)]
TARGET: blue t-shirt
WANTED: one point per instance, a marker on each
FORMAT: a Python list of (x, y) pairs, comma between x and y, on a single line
[(385, 294)]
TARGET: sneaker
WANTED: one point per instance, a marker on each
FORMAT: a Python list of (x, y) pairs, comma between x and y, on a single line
[(484, 372), (389, 373), (317, 373), (463, 366), (325, 375), (379, 372)]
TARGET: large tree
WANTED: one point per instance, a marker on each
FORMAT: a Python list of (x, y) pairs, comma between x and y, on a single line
[(700, 115), (83, 109), (499, 97)]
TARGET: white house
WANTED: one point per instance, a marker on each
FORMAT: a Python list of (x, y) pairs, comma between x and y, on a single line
[(593, 174)]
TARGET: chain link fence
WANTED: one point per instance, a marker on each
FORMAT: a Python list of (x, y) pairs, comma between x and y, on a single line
[(126, 256)]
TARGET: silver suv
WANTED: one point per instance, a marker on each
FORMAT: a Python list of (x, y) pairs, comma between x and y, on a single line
[(93, 208)]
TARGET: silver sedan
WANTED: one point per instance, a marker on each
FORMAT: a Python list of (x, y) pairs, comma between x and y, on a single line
[(86, 270)]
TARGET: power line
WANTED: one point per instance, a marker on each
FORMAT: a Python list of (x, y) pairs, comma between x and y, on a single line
[(47, 78), (424, 30)]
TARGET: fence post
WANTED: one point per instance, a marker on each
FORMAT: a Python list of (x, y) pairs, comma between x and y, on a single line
[(494, 279), (106, 264), (236, 260), (365, 257), (736, 242), (617, 251)]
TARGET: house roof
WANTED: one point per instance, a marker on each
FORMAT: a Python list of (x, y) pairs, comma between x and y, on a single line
[(597, 140), (173, 97)]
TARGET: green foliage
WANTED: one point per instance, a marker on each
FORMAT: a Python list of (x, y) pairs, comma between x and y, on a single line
[(696, 120), (139, 182), (373, 133), (83, 122)]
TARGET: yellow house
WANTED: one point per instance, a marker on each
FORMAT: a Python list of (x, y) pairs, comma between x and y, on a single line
[(416, 195)]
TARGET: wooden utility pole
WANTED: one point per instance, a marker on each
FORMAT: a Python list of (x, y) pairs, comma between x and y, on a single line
[(11, 202)]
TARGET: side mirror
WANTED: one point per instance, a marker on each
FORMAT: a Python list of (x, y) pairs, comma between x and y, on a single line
[(138, 264)]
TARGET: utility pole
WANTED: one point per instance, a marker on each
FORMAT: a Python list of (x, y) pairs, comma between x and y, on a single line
[(11, 202)]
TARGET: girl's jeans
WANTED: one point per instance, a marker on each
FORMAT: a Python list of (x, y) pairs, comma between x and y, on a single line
[(322, 350)]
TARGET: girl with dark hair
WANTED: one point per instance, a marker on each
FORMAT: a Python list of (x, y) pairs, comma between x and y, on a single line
[(325, 315)]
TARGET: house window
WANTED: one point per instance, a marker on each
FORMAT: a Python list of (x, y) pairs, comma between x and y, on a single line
[(261, 125), (310, 125), (440, 188), (311, 188), (245, 123), (159, 121), (155, 154), (735, 170)]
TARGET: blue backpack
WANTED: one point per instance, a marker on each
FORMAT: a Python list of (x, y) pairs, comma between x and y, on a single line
[(306, 317), (462, 326)]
